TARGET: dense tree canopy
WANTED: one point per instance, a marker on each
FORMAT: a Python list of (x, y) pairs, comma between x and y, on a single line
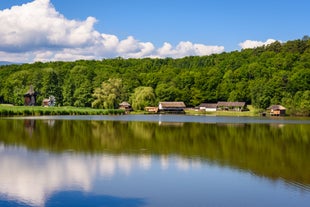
[(278, 73)]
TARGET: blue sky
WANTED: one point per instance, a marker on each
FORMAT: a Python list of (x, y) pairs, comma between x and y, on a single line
[(144, 28)]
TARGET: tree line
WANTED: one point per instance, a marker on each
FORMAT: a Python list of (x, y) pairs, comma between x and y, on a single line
[(278, 73)]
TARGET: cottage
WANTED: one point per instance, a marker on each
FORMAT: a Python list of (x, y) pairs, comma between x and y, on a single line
[(151, 109), (46, 102), (30, 97), (208, 106), (51, 101), (231, 106), (125, 106), (277, 110), (171, 107)]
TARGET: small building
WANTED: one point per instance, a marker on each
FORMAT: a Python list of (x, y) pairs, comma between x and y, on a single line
[(125, 106), (46, 102), (208, 106), (231, 106), (151, 109), (51, 101), (277, 110), (171, 107), (30, 97)]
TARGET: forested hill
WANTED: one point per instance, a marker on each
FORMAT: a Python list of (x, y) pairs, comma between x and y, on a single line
[(275, 74)]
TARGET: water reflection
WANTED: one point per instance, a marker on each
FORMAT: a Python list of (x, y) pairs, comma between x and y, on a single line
[(277, 151), (73, 156), (34, 177), (29, 126)]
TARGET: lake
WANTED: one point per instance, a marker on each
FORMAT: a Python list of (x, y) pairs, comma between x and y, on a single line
[(154, 161)]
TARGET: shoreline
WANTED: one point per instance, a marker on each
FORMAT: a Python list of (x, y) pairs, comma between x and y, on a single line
[(11, 111)]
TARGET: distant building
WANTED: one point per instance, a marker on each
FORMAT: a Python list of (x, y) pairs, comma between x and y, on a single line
[(125, 106), (151, 109), (277, 110), (208, 106), (231, 106), (45, 102), (51, 101), (171, 107), (30, 97)]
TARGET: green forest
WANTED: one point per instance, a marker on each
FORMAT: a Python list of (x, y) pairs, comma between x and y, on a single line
[(278, 73)]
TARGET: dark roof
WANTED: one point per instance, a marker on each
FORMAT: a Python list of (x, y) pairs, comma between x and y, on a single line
[(276, 107), (172, 104), (231, 104), (30, 91), (208, 105)]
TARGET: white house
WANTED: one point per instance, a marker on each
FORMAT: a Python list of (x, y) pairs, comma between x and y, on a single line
[(208, 106)]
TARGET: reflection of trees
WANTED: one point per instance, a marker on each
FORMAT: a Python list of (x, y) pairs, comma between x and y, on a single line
[(267, 150)]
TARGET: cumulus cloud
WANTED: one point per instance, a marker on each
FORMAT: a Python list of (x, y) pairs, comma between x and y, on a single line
[(36, 31), (187, 49), (253, 44)]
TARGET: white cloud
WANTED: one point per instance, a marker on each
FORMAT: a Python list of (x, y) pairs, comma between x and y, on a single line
[(187, 49), (36, 31), (39, 25), (253, 44)]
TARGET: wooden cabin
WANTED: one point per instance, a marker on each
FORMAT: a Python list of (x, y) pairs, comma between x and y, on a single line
[(171, 107), (125, 106), (277, 110), (151, 109)]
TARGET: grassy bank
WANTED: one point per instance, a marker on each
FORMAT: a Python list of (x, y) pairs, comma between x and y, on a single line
[(7, 110)]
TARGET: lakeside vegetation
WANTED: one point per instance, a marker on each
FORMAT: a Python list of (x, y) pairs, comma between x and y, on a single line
[(275, 74), (6, 110)]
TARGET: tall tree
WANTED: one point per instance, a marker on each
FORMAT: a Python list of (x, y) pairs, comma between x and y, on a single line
[(142, 97), (109, 95)]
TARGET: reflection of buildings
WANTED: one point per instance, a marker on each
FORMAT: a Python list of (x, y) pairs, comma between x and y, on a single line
[(29, 125), (175, 124), (50, 173), (50, 122)]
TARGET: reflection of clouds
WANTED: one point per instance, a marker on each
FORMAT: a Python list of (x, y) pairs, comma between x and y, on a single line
[(182, 164), (164, 162), (124, 164), (145, 162), (196, 164), (24, 176), (107, 167), (32, 177)]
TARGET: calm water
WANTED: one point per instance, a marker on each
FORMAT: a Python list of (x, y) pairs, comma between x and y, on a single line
[(160, 161)]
